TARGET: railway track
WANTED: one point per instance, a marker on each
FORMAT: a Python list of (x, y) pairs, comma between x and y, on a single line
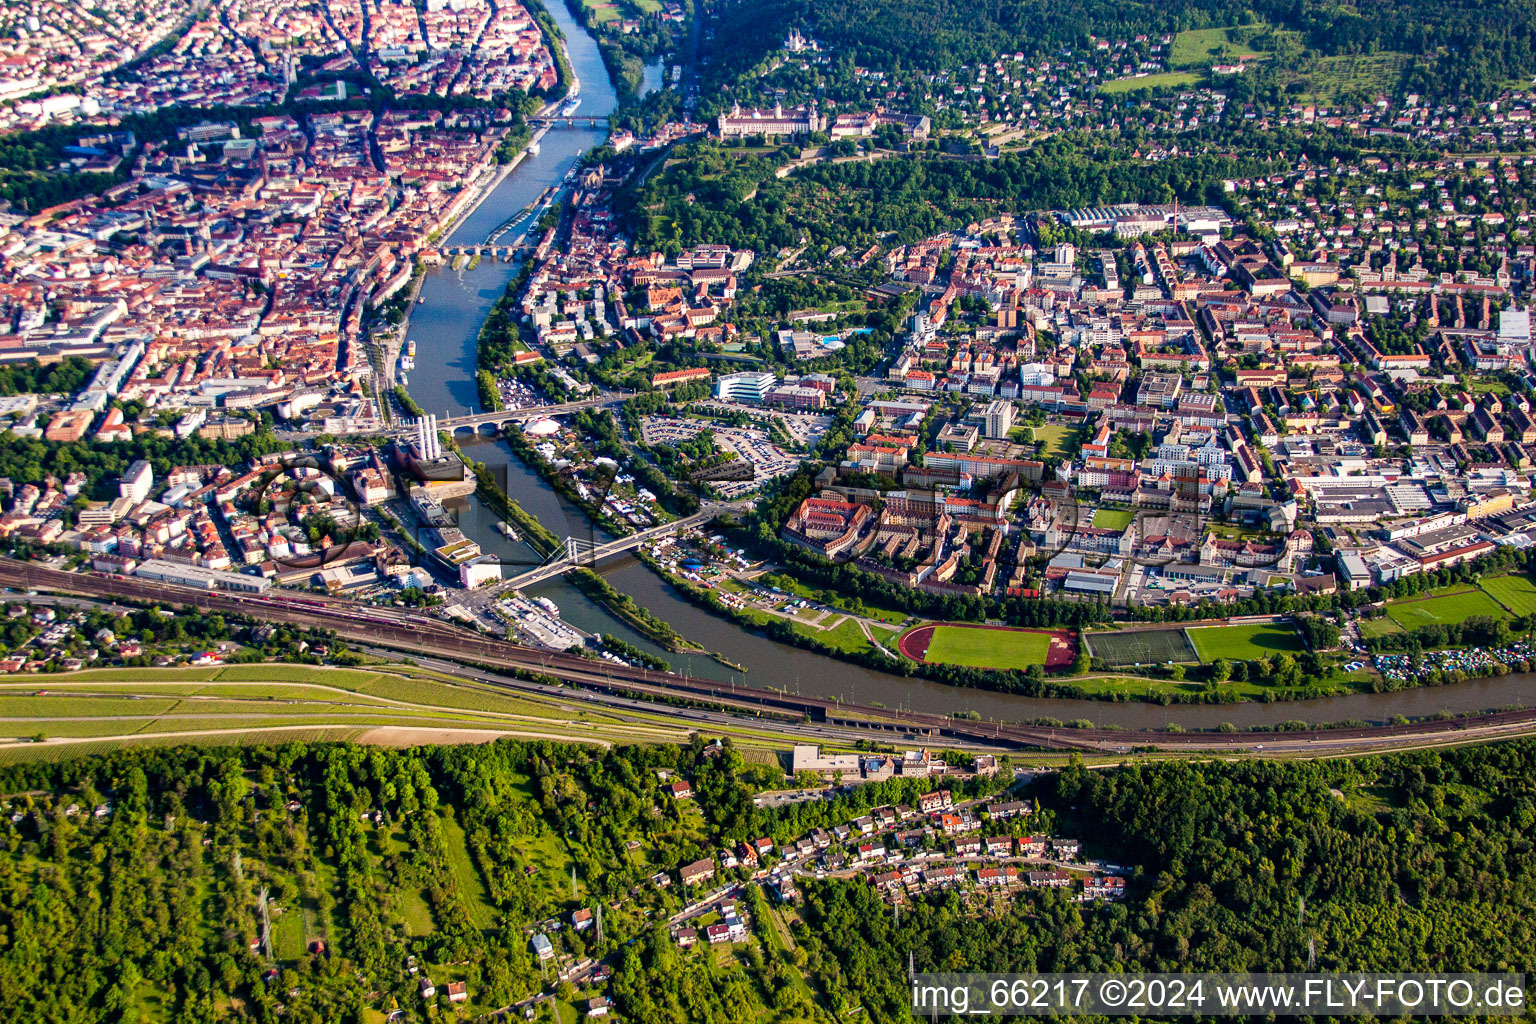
[(410, 632)]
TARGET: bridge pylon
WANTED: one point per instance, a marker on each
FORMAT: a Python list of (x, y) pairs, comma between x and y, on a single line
[(579, 550)]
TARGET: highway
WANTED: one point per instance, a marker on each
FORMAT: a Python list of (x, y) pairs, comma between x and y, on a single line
[(619, 685)]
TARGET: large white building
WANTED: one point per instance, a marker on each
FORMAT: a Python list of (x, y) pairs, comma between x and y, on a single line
[(807, 757), (202, 579), (135, 483), (999, 418), (801, 120), (744, 387)]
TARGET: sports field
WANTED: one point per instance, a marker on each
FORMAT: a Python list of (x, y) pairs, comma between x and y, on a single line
[(1517, 592), (1140, 647), (1370, 629), (1444, 608), (989, 646), (1112, 518), (1245, 643)]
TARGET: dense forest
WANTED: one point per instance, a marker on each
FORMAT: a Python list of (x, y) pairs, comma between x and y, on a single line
[(149, 912), (1420, 862), (132, 884), (1468, 49), (63, 377)]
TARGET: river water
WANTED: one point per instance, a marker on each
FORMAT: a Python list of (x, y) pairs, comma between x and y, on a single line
[(445, 326)]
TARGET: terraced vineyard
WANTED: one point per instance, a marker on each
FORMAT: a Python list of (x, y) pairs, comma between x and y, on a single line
[(55, 716)]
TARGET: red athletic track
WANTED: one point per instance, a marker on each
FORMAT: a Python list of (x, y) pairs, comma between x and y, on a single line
[(1063, 651)]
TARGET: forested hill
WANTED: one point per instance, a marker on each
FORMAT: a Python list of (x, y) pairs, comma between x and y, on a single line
[(1422, 862), (131, 885), (1465, 48)]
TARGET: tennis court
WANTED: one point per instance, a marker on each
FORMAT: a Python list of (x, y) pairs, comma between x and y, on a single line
[(1141, 647)]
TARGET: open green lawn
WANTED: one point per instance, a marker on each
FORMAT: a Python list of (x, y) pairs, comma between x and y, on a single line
[(1112, 518), (845, 636), (1168, 80), (601, 11), (1446, 608), (1244, 643), (988, 648), (1197, 47), (415, 912), (1052, 438), (790, 585), (465, 873), (1370, 629), (288, 938), (1517, 592)]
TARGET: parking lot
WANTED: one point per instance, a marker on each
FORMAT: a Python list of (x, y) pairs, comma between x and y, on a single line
[(805, 428), (749, 444)]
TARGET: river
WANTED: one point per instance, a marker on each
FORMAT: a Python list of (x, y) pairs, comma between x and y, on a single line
[(445, 326)]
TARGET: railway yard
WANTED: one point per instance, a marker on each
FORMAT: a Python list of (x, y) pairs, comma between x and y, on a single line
[(601, 683)]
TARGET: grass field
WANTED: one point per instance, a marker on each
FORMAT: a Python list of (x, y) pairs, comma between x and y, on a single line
[(288, 939), (1446, 608), (1372, 628), (790, 585), (601, 12), (1244, 643), (465, 873), (1167, 80), (1112, 518), (1517, 592), (845, 636), (988, 648), (1141, 647), (1053, 438), (1197, 47), (415, 912)]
